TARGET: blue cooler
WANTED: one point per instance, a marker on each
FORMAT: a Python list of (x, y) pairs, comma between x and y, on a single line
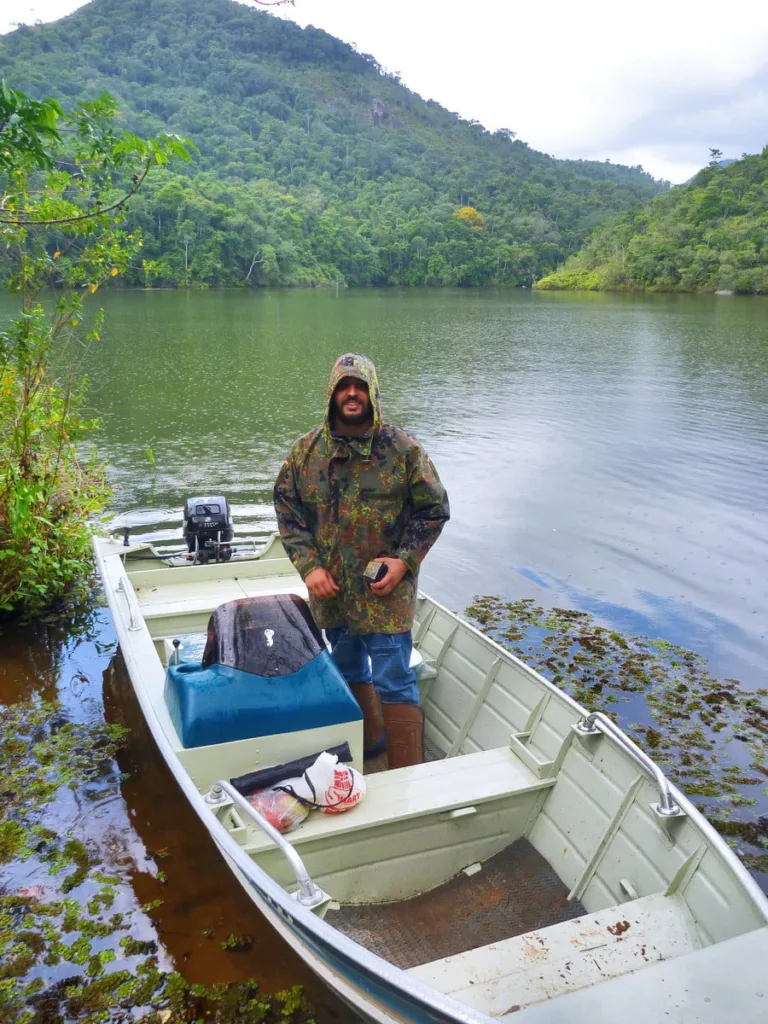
[(265, 671)]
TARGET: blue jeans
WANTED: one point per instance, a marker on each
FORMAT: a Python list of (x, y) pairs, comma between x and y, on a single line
[(381, 658)]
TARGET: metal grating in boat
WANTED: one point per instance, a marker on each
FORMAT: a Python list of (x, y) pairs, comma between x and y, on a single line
[(515, 892)]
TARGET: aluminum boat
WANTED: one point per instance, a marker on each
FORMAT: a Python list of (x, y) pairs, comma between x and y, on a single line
[(537, 867)]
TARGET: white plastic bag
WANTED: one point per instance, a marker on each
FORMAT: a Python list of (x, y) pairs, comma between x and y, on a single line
[(328, 784)]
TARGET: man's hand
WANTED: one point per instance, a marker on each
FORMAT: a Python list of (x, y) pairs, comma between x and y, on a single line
[(321, 584), (396, 569)]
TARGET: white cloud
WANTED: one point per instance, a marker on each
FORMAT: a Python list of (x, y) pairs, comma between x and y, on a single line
[(656, 84), (27, 12)]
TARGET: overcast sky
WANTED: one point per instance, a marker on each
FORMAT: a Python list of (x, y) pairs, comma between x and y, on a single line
[(656, 83)]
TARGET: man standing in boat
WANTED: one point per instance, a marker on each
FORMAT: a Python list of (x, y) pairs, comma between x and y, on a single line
[(355, 495)]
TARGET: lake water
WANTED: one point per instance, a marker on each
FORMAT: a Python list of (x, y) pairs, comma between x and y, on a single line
[(602, 452), (608, 453)]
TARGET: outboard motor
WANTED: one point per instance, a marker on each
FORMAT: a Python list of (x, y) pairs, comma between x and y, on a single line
[(208, 528)]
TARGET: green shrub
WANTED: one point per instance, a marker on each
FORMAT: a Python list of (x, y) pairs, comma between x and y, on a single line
[(573, 279), (47, 491), (60, 213)]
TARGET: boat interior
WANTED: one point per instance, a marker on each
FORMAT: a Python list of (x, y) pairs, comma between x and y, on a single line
[(532, 854)]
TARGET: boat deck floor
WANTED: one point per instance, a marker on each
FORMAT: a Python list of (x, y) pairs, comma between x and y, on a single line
[(515, 892), (380, 764)]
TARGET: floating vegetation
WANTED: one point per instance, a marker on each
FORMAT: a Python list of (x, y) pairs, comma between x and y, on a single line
[(238, 942), (709, 734), (66, 955)]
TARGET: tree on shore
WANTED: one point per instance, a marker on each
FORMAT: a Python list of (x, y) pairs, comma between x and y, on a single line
[(65, 181), (708, 235)]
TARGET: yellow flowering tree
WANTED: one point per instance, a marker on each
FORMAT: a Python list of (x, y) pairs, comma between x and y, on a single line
[(471, 217), (65, 180)]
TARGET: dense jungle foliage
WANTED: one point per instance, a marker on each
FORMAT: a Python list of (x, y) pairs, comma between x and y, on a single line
[(706, 236), (316, 165)]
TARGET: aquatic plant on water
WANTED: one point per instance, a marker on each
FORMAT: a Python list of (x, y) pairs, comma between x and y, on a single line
[(709, 734), (66, 955)]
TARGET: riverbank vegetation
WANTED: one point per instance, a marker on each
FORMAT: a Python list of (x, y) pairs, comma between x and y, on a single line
[(65, 178), (316, 165), (710, 235)]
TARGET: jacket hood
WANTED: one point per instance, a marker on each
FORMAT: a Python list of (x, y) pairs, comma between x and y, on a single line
[(353, 365)]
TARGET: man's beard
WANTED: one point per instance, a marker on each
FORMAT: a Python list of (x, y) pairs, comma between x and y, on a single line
[(356, 419)]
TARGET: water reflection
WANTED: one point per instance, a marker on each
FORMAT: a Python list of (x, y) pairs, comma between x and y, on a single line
[(40, 662), (141, 827)]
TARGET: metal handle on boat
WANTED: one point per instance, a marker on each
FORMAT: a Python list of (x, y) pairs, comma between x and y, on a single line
[(598, 722), (309, 894), (134, 619)]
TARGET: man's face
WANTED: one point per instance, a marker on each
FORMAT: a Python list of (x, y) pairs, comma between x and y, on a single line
[(351, 402)]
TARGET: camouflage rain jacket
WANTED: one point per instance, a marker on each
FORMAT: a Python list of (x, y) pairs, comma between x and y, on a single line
[(342, 501)]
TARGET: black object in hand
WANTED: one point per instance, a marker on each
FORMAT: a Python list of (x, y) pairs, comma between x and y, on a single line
[(375, 571)]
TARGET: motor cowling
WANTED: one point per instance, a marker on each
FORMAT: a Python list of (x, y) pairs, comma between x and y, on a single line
[(208, 528)]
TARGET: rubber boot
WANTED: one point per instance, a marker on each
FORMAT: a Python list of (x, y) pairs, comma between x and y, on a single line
[(405, 734), (374, 740)]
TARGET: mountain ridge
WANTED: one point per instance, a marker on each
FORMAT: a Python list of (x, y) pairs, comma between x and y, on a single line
[(376, 176)]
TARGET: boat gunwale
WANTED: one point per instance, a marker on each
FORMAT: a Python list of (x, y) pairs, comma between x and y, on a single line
[(716, 842)]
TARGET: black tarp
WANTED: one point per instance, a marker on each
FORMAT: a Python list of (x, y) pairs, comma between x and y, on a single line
[(265, 777)]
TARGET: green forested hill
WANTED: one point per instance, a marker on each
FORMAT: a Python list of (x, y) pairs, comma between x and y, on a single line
[(708, 235), (314, 164)]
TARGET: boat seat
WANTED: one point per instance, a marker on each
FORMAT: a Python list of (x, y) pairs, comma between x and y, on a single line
[(454, 786), (174, 607), (502, 977)]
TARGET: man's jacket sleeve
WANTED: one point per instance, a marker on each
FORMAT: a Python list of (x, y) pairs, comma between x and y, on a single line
[(429, 509), (292, 523)]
